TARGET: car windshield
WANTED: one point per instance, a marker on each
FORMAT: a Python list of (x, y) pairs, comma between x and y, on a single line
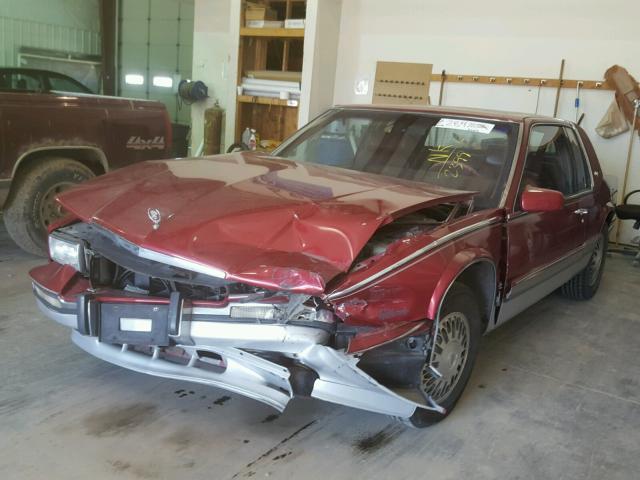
[(455, 152)]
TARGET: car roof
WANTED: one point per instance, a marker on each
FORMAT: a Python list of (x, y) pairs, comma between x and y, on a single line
[(457, 111), (47, 73), (32, 70)]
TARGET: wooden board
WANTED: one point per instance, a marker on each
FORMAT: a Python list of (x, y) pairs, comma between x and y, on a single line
[(267, 101), (275, 75), (271, 121), (272, 32), (523, 81)]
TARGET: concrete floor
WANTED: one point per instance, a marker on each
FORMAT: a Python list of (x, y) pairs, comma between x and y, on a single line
[(555, 395)]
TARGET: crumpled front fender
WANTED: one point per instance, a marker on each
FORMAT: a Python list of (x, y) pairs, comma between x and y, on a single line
[(458, 264)]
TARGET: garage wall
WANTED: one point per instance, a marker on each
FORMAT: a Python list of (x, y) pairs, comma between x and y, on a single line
[(156, 39), (64, 25)]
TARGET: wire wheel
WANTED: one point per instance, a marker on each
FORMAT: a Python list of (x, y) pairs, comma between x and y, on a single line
[(449, 353)]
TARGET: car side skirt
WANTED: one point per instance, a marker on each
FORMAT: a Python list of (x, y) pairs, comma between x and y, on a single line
[(541, 282)]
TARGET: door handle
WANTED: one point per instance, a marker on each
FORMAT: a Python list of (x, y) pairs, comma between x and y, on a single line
[(581, 211)]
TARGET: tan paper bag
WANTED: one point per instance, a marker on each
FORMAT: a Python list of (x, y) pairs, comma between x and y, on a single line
[(613, 123)]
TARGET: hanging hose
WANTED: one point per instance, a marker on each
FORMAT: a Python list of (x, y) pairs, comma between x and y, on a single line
[(191, 92)]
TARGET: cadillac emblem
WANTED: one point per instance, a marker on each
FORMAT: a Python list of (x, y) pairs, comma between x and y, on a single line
[(155, 216)]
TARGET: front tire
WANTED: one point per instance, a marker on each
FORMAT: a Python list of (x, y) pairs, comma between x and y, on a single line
[(585, 284), (31, 207), (453, 353)]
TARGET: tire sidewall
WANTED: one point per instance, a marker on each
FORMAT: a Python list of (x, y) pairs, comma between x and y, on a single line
[(25, 206), (69, 174), (578, 287), (592, 289)]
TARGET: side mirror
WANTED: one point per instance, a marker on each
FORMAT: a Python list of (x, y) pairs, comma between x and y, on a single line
[(541, 200)]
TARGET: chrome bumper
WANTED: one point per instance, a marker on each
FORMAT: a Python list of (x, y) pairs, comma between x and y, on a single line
[(232, 367)]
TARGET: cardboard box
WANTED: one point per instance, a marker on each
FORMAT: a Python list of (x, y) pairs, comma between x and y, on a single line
[(256, 11), (264, 24), (399, 83), (294, 23)]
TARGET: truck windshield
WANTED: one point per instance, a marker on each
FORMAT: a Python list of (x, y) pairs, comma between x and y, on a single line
[(449, 151)]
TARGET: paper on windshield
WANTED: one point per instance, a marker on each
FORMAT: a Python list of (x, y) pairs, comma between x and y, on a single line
[(467, 125)]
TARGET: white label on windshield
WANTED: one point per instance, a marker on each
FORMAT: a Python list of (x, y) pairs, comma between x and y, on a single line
[(468, 125)]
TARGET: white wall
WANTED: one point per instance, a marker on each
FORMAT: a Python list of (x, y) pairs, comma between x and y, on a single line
[(320, 57), (215, 52), (500, 37)]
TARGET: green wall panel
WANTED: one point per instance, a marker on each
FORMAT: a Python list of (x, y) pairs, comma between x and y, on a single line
[(63, 25)]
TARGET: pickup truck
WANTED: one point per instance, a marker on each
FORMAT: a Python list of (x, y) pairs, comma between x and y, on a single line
[(51, 140)]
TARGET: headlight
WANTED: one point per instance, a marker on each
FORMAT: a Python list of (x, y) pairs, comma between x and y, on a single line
[(66, 251)]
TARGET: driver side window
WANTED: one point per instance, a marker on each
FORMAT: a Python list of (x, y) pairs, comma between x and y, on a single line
[(21, 81), (554, 162)]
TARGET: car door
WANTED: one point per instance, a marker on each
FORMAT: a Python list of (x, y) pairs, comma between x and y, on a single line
[(546, 249)]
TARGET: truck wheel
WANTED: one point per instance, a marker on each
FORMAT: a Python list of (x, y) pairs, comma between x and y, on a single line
[(585, 284), (31, 206), (455, 347)]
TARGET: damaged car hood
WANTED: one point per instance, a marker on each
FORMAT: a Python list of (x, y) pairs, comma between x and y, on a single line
[(265, 221)]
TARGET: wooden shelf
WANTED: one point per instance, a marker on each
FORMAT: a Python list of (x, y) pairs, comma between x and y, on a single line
[(272, 32), (277, 49), (266, 101)]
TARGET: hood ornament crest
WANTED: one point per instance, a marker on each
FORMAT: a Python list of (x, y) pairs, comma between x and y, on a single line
[(155, 216)]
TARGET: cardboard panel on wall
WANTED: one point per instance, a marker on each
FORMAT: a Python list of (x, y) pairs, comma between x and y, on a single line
[(400, 83)]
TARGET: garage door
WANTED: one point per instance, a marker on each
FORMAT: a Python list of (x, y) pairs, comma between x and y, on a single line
[(155, 51)]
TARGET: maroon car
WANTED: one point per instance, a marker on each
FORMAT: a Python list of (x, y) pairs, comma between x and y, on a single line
[(359, 264)]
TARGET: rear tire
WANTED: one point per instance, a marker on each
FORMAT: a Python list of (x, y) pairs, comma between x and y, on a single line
[(585, 284), (456, 344), (31, 205)]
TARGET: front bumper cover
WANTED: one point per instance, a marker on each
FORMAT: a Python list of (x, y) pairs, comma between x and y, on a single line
[(231, 355)]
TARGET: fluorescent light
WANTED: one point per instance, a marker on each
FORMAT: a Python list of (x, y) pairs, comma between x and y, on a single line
[(162, 81), (134, 79)]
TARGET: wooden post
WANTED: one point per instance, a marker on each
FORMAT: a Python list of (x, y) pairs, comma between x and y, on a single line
[(555, 108), (108, 27), (287, 42)]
